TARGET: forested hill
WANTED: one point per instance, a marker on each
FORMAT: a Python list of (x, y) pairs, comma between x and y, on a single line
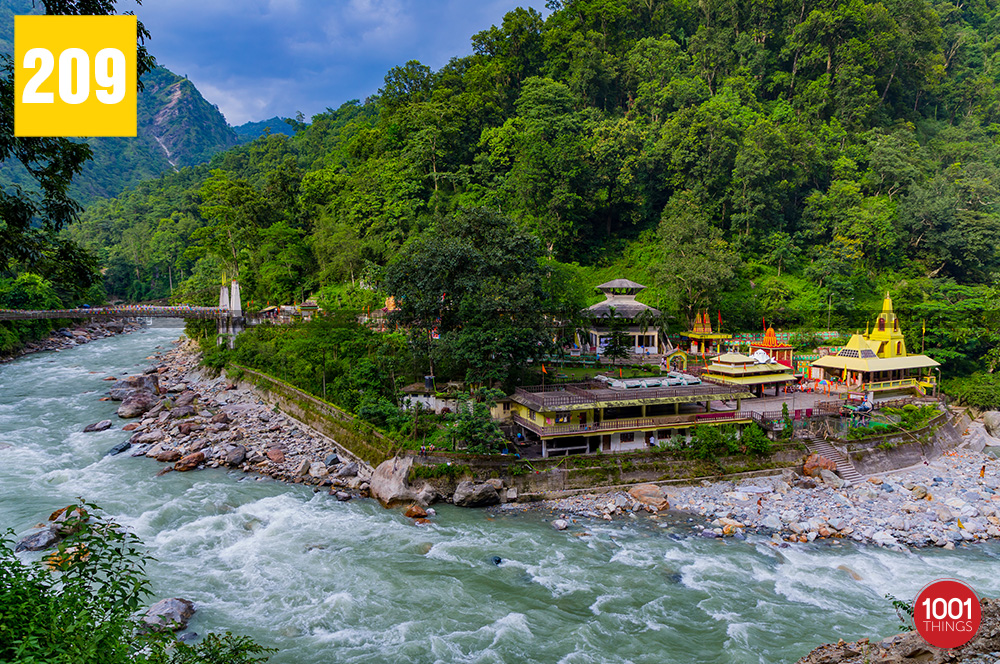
[(177, 127), (790, 159)]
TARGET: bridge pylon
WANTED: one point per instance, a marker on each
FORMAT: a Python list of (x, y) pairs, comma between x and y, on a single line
[(231, 324)]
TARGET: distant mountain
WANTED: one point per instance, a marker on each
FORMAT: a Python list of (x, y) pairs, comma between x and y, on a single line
[(177, 128), (248, 131)]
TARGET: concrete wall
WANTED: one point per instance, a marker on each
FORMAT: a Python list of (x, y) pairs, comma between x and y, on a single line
[(892, 452)]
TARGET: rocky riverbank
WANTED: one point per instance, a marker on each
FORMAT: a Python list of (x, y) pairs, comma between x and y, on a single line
[(191, 421), (944, 503), (984, 647), (71, 337)]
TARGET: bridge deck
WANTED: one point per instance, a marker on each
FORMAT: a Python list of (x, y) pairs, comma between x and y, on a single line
[(208, 313)]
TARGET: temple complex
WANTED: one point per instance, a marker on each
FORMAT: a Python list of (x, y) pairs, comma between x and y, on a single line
[(703, 339), (620, 302), (878, 363)]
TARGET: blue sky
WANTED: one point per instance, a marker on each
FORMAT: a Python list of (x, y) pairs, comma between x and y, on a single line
[(259, 58)]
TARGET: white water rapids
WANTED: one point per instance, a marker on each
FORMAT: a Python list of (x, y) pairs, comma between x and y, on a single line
[(350, 582)]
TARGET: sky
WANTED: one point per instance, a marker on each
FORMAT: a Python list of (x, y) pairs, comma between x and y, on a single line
[(259, 58)]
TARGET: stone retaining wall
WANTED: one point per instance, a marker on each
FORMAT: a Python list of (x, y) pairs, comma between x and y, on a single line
[(881, 454)]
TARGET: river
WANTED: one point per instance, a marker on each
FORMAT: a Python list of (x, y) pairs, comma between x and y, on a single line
[(324, 581)]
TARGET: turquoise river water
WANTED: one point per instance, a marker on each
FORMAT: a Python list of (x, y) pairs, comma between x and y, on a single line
[(324, 581)]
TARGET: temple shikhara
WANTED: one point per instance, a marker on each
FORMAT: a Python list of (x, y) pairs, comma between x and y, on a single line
[(877, 362), (702, 338)]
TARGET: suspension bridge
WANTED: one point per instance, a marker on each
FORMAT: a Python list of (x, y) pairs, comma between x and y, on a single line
[(229, 313)]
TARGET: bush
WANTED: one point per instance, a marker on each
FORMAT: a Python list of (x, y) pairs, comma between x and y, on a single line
[(980, 390), (83, 607), (755, 441)]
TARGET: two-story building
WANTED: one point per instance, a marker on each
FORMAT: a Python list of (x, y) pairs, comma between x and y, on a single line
[(622, 415)]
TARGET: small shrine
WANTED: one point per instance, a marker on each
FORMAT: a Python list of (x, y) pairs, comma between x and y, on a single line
[(877, 362), (781, 352), (703, 339), (756, 372), (619, 302)]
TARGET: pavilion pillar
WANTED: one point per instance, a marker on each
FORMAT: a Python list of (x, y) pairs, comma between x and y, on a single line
[(644, 410), (677, 408), (708, 405)]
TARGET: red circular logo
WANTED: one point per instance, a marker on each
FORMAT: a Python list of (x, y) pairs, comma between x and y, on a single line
[(947, 613)]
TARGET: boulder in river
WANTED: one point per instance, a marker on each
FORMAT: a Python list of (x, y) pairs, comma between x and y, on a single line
[(190, 462), (103, 425), (169, 615), (168, 456), (391, 487), (471, 494), (42, 539)]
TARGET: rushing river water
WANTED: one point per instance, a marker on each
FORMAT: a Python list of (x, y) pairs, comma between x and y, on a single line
[(350, 582)]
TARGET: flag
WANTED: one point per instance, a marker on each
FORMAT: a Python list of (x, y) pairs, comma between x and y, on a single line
[(620, 372), (764, 323), (925, 327), (720, 320), (543, 369)]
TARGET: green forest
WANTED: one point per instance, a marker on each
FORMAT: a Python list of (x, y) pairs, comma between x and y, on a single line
[(782, 161)]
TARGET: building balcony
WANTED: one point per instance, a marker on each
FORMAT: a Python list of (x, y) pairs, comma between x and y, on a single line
[(631, 424)]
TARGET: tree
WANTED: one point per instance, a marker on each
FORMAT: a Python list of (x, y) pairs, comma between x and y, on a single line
[(31, 218), (474, 281), (695, 261), (80, 605), (472, 424)]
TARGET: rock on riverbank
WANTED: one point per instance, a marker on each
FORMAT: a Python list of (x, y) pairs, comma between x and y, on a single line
[(197, 422)]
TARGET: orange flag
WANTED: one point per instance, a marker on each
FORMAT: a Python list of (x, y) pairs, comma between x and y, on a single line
[(543, 369)]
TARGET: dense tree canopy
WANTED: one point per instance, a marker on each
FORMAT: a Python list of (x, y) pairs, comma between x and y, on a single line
[(787, 160)]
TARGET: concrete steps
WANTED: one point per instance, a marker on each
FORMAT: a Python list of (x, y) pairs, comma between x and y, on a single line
[(845, 468)]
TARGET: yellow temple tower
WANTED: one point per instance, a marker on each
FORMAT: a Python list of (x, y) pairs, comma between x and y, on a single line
[(886, 339)]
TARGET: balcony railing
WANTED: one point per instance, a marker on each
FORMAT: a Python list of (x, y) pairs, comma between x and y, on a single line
[(630, 424)]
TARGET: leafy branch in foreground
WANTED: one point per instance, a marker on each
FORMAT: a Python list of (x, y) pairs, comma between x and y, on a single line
[(80, 604), (904, 611)]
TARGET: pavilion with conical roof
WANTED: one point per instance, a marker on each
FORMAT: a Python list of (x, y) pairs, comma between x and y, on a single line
[(877, 362), (619, 302)]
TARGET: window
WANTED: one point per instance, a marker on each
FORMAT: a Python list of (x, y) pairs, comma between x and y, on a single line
[(628, 437), (899, 348), (506, 406), (881, 324)]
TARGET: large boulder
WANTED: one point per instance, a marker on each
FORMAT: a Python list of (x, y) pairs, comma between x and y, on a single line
[(186, 398), (169, 615), (390, 485), (650, 495), (103, 425), (42, 539), (143, 383), (236, 456), (136, 404), (831, 478), (991, 419), (190, 462), (815, 463), (471, 494)]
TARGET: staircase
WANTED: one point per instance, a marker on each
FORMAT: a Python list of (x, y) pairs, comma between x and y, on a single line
[(845, 468)]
